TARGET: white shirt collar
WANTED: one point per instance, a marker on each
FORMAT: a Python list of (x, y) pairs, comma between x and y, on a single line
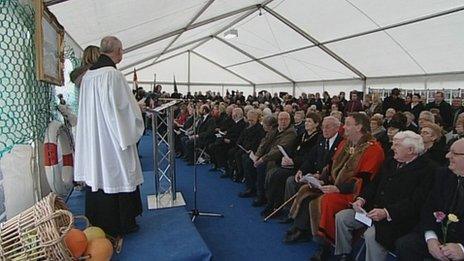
[(332, 140)]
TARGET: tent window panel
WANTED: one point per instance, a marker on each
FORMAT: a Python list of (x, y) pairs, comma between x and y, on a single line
[(309, 65)]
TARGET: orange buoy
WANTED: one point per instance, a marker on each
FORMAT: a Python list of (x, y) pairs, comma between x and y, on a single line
[(76, 241), (99, 249)]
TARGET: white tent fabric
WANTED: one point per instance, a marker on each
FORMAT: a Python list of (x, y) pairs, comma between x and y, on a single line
[(295, 44)]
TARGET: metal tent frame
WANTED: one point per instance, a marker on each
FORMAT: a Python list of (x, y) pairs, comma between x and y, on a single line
[(247, 11)]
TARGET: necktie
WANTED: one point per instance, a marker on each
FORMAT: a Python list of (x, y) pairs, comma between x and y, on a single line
[(458, 200), (326, 152)]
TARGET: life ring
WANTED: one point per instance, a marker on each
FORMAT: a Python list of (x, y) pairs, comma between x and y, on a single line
[(59, 173)]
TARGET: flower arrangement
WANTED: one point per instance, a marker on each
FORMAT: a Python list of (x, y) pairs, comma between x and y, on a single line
[(440, 217)]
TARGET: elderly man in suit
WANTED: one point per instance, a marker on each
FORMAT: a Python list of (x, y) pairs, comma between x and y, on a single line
[(319, 157), (393, 200), (268, 155), (444, 204), (204, 133), (220, 148)]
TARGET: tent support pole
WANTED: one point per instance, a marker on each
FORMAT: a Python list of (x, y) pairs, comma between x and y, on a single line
[(252, 57), (203, 9), (222, 67), (159, 54), (233, 23), (364, 88), (188, 79), (193, 26), (314, 41), (159, 61)]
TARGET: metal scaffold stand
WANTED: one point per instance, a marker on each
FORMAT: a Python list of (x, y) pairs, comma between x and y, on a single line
[(164, 173)]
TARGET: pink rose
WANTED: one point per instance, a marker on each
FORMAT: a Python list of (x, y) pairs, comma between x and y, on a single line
[(440, 216)]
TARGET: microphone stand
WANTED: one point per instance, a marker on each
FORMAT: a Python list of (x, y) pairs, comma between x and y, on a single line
[(195, 212)]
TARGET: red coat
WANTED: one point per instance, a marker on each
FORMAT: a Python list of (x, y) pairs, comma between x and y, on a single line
[(332, 203)]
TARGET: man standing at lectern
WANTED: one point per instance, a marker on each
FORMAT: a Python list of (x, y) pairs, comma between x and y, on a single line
[(109, 125)]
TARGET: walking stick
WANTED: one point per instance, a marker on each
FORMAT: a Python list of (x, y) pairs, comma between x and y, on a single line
[(281, 206)]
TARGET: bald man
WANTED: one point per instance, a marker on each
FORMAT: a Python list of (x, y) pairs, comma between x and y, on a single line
[(109, 125)]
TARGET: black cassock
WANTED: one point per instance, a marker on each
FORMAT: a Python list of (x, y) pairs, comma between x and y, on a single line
[(114, 213)]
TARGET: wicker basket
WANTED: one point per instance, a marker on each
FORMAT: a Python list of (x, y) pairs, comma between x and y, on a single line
[(37, 233)]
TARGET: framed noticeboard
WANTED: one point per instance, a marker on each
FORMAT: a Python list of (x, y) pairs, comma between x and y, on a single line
[(49, 45)]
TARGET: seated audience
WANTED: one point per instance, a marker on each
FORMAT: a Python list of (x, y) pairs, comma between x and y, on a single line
[(388, 116), (393, 200), (299, 122), (316, 163), (268, 155), (424, 117), (219, 150), (250, 173), (275, 188), (410, 123), (249, 141), (434, 142), (356, 162), (457, 134), (445, 205), (379, 132), (203, 135), (416, 106)]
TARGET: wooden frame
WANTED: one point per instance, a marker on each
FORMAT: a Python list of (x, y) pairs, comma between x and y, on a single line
[(49, 45)]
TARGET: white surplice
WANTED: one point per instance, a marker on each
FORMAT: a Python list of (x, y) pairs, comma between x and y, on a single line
[(108, 127)]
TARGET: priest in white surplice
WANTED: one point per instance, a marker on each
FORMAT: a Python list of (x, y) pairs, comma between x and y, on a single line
[(109, 125)]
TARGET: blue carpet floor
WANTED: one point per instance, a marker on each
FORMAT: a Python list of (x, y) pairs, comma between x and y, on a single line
[(241, 234), (165, 234)]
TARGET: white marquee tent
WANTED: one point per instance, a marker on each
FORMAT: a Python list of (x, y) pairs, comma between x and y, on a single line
[(284, 45)]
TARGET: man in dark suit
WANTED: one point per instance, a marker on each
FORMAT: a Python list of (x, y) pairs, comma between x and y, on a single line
[(354, 105), (393, 199), (456, 109), (220, 148), (249, 139), (319, 157), (204, 133), (393, 101), (446, 196), (444, 107)]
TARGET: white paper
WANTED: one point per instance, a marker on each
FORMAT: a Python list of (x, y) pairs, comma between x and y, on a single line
[(222, 133), (363, 218), (284, 153), (253, 156), (312, 181), (218, 135)]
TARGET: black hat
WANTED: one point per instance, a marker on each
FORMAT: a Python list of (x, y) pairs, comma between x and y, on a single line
[(398, 121)]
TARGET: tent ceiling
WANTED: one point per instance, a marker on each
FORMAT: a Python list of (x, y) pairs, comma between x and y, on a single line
[(294, 40)]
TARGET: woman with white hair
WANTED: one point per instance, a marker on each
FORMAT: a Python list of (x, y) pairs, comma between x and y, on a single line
[(435, 144)]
